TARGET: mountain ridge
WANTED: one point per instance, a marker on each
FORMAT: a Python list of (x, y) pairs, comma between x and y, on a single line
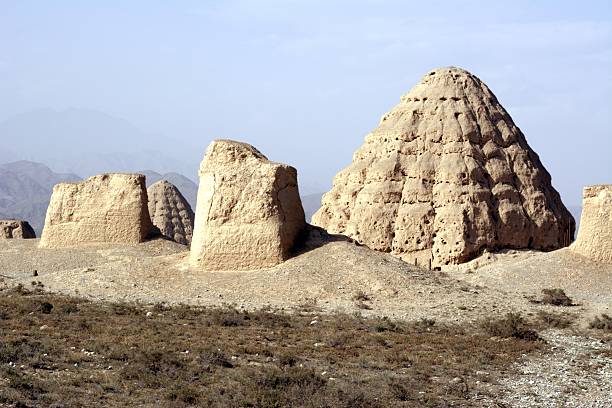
[(26, 188)]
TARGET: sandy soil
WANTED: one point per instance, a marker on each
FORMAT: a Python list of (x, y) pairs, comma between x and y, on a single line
[(326, 274), (526, 273)]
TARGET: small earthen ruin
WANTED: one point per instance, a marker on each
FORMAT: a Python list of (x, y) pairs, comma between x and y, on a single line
[(249, 212), (107, 208)]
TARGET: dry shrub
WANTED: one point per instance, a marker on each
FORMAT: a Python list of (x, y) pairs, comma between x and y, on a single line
[(556, 297), (45, 307), (270, 320), (21, 290), (512, 325), (339, 340), (275, 387), (113, 355), (288, 359), (550, 320), (603, 322), (384, 324), (68, 308), (302, 387), (361, 296), (401, 390), (363, 306), (183, 393), (228, 318), (425, 323), (215, 357)]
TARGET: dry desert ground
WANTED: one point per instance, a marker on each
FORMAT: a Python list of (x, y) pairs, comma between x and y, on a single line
[(332, 279)]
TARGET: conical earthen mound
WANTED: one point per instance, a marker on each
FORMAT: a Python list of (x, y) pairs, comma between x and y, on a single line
[(170, 212), (16, 229), (445, 175)]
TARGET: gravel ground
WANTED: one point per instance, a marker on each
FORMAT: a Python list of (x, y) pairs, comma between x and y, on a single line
[(577, 372)]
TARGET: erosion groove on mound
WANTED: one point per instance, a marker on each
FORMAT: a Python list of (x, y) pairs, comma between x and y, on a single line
[(170, 212), (249, 212), (595, 233), (17, 229), (445, 175), (103, 208)]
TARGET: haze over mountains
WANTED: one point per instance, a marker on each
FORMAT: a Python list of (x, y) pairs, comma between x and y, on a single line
[(88, 142)]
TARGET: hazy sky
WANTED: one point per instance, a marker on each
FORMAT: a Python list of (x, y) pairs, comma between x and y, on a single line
[(304, 81)]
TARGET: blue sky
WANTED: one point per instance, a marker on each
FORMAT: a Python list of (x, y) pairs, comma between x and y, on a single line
[(304, 81)]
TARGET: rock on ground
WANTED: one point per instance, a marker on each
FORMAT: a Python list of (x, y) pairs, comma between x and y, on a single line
[(445, 175), (105, 208), (16, 229), (170, 212), (595, 234), (249, 212)]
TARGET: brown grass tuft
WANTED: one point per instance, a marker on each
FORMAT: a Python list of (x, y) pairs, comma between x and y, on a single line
[(548, 320), (511, 326), (603, 322), (361, 296), (556, 297)]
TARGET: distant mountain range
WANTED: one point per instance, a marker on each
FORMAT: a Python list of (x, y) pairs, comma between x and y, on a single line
[(79, 143), (25, 190), (26, 187)]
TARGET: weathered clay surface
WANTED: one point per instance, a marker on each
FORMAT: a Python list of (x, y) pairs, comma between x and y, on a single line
[(445, 175), (16, 229), (595, 233), (170, 212), (248, 213), (103, 208)]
